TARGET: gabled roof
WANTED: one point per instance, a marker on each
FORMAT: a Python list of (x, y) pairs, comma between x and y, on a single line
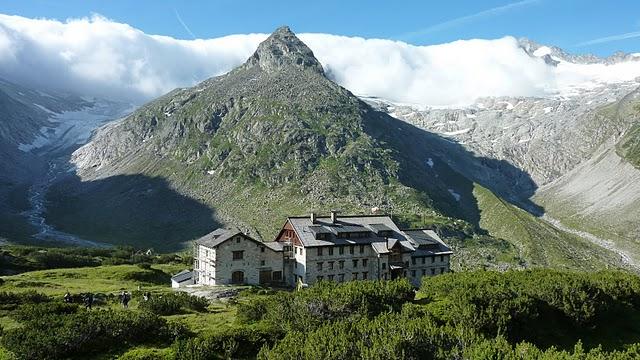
[(218, 236), (428, 242), (304, 228)]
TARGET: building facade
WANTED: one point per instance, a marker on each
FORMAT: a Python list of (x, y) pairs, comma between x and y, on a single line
[(310, 249), (227, 256)]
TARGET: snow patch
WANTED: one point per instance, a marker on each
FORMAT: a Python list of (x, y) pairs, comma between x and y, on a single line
[(457, 132), (45, 109), (542, 51), (454, 194), (71, 128), (548, 109), (430, 162)]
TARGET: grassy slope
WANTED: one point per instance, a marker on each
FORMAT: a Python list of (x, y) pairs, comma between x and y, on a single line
[(629, 147), (112, 279), (103, 279), (539, 243)]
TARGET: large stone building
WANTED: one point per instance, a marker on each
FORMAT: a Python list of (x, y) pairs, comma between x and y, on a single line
[(227, 256), (309, 249)]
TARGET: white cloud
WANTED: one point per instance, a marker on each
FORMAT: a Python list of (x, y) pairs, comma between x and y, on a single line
[(99, 57)]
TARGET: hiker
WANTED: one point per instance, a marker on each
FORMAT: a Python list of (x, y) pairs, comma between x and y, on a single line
[(88, 301), (67, 297), (125, 299)]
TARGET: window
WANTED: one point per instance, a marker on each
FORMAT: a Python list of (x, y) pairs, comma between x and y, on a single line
[(262, 249), (404, 273), (238, 255), (355, 263), (320, 251), (238, 239), (351, 249), (341, 277), (276, 276), (341, 250), (319, 266), (341, 264), (262, 262), (330, 251), (433, 259), (300, 251), (319, 278), (384, 276), (423, 260), (406, 264), (413, 273), (330, 265), (413, 261), (330, 277), (364, 275), (441, 258), (384, 266), (364, 262), (354, 276), (441, 270), (433, 271), (424, 272), (361, 249)]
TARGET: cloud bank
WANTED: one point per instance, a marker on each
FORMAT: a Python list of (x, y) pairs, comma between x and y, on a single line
[(98, 57)]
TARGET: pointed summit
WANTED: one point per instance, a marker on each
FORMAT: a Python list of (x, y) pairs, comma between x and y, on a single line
[(282, 49)]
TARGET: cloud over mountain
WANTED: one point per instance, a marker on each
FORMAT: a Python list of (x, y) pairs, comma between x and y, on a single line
[(100, 57)]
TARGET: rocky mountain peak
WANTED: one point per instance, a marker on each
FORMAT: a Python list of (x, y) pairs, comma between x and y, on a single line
[(282, 50)]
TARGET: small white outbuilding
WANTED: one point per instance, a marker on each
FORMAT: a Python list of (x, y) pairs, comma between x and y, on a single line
[(183, 278)]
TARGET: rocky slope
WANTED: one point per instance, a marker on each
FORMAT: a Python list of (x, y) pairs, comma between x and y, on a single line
[(273, 137), (276, 137), (580, 151)]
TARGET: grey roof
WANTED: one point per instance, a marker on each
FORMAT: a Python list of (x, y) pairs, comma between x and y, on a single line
[(274, 245), (303, 227), (379, 227), (217, 237), (429, 243), (182, 276), (319, 229)]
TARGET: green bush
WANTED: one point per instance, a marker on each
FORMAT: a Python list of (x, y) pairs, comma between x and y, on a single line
[(11, 300), (84, 333), (517, 303), (233, 343), (28, 312), (327, 301), (174, 303), (147, 354)]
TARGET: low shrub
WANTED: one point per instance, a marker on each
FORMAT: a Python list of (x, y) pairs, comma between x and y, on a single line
[(28, 312), (174, 303), (233, 343), (84, 333)]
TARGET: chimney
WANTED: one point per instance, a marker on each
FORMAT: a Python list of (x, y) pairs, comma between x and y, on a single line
[(313, 218), (334, 216)]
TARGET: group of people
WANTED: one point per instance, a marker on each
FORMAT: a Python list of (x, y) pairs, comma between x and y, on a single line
[(88, 298)]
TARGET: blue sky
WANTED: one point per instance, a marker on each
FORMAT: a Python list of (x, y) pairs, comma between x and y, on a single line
[(599, 27)]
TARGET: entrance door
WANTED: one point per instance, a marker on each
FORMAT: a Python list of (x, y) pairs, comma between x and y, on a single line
[(265, 277), (237, 277)]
